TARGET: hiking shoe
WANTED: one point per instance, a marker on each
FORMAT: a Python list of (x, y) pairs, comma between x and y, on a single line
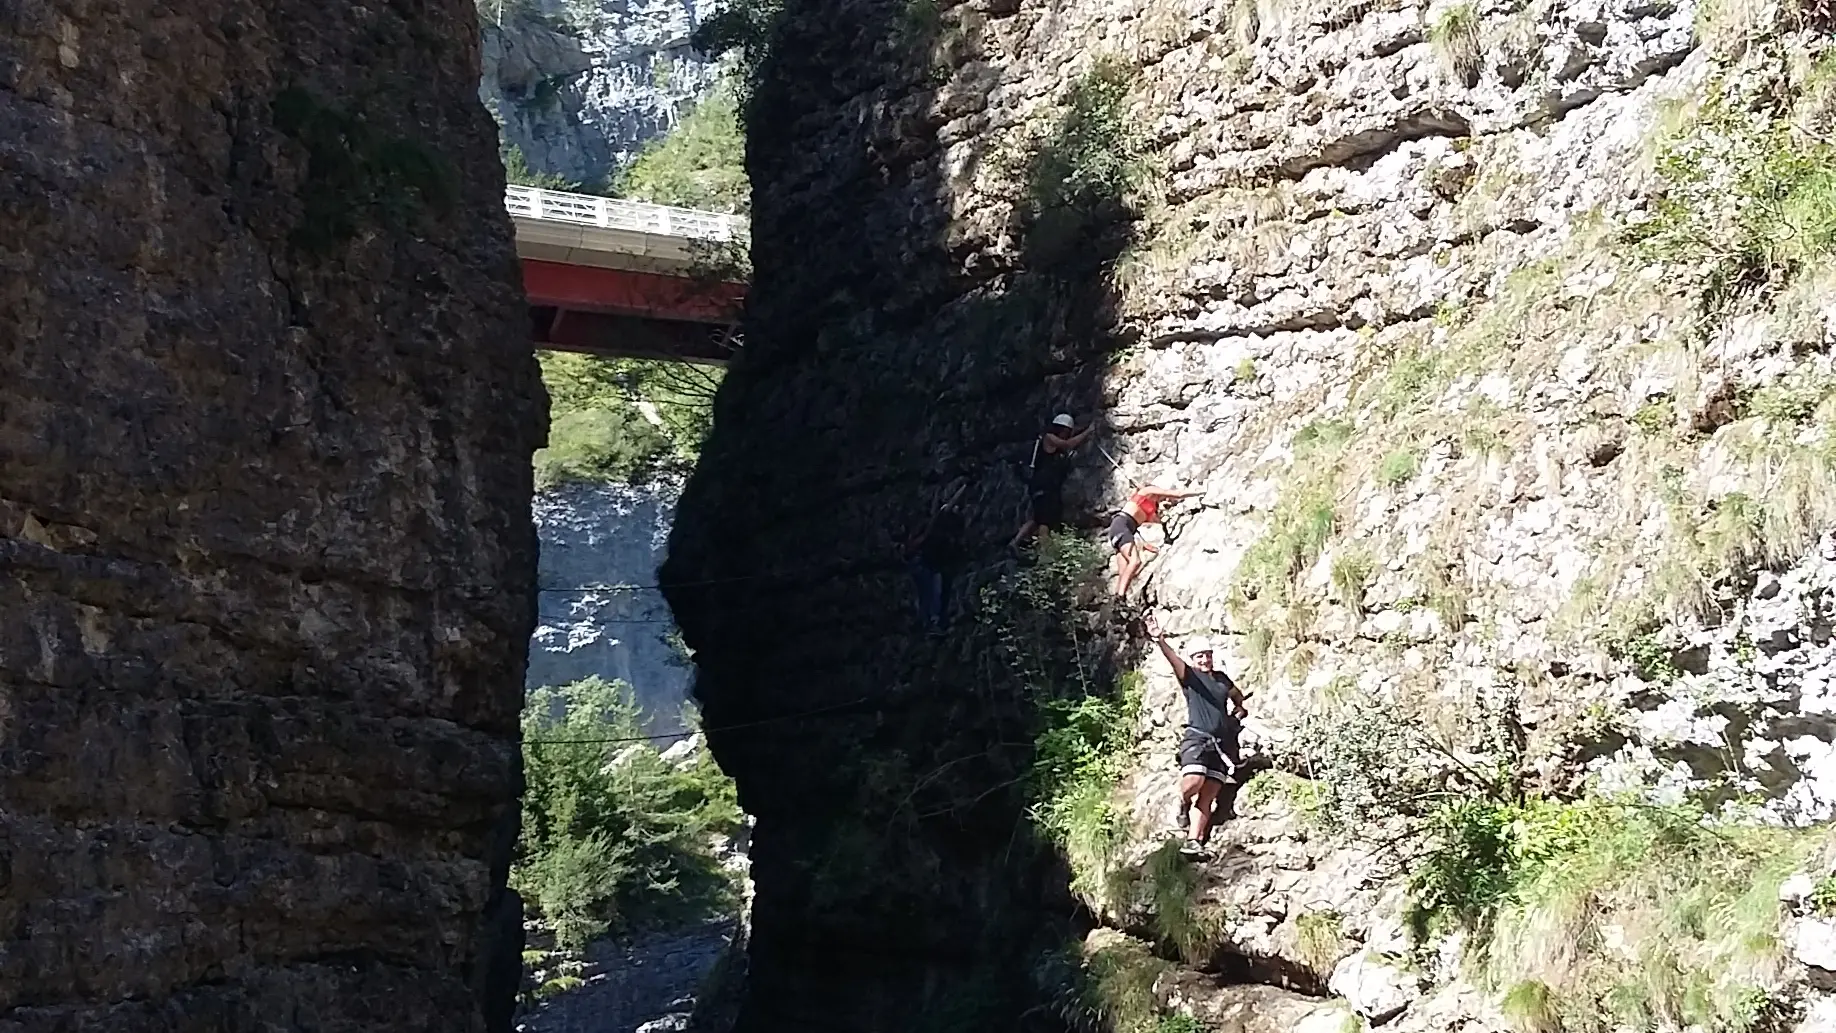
[(1192, 848)]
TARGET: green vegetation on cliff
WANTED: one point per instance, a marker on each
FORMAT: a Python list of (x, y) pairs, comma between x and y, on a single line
[(614, 836), (1080, 177), (1749, 194), (623, 420), (1548, 889), (742, 31), (700, 163), (518, 171), (1584, 915), (356, 173), (1087, 727)]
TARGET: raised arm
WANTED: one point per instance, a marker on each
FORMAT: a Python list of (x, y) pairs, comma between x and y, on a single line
[(1063, 442), (1178, 662)]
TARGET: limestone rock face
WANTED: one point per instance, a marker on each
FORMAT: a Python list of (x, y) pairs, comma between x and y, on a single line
[(582, 87), (600, 611), (1463, 451), (266, 565), (1257, 1009)]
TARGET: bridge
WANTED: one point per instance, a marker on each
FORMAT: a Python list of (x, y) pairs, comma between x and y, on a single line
[(627, 278)]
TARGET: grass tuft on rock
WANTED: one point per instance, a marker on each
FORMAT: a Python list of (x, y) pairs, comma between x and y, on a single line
[(1352, 569), (1107, 983), (1298, 529), (1598, 914), (1322, 939), (1454, 35), (1167, 886)]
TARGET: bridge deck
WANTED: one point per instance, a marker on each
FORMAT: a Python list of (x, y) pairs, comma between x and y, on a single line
[(625, 278)]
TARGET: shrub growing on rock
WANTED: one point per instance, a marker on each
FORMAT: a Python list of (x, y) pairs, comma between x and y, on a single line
[(615, 836), (1540, 883), (599, 426)]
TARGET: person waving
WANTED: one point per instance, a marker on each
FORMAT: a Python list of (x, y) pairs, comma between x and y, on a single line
[(1208, 749)]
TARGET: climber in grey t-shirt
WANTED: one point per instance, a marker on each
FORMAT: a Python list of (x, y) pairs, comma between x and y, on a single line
[(1208, 755)]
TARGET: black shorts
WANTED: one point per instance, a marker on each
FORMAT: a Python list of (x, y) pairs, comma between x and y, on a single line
[(1048, 507), (1213, 756), (1122, 528)]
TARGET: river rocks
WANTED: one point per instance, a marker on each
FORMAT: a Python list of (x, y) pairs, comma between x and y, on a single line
[(265, 565), (645, 983)]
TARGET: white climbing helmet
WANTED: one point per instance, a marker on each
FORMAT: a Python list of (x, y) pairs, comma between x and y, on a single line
[(1063, 419), (1199, 644)]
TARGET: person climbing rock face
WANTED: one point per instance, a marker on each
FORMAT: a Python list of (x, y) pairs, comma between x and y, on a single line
[(931, 554), (1208, 753), (1046, 476), (1125, 531)]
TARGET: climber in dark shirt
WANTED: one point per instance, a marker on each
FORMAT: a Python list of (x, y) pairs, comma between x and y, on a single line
[(1045, 480), (931, 554), (1208, 753)]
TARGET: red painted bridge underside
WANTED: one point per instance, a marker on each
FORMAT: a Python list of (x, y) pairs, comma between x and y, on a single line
[(628, 314)]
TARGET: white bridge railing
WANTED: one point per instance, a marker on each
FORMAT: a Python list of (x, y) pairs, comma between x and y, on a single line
[(611, 214)]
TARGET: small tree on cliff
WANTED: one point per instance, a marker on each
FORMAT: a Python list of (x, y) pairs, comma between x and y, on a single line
[(613, 835)]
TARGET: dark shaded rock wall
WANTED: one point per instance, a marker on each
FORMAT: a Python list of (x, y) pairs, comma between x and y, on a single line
[(265, 554), (899, 886)]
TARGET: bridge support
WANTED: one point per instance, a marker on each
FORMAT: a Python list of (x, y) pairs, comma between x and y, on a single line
[(630, 337), (620, 313)]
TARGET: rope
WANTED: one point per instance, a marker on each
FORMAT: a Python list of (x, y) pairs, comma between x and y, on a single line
[(767, 576), (722, 728), (1132, 483), (634, 620)]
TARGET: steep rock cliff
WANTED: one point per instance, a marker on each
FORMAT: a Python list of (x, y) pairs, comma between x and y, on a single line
[(898, 882), (1491, 335), (265, 557), (600, 612), (584, 88)]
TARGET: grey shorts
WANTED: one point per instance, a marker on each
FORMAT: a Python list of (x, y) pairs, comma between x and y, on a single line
[(1213, 756), (1122, 528)]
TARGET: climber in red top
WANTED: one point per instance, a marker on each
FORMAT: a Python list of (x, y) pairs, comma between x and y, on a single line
[(1124, 530)]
